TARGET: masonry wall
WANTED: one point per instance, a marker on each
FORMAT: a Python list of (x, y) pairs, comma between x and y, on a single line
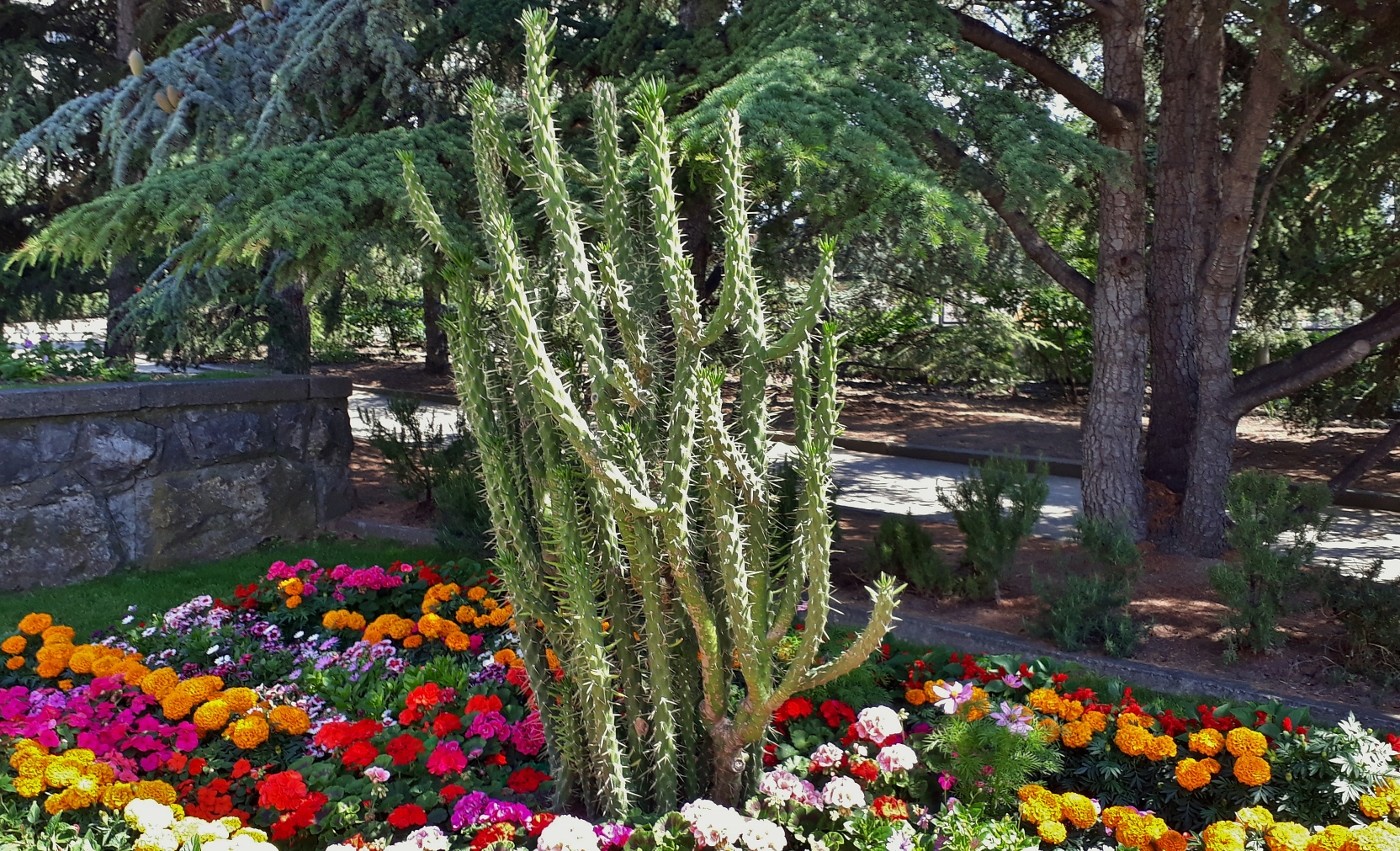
[(99, 477)]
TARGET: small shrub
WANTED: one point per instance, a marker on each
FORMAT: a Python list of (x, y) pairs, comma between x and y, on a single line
[(1109, 543), (1089, 611), (995, 507), (1365, 605), (419, 458), (1275, 526), (463, 517), (989, 759), (905, 550)]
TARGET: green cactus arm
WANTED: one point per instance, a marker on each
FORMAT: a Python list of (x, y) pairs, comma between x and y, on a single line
[(884, 597), (614, 249), (545, 379), (426, 217), (655, 144), (793, 573), (810, 314), (741, 474)]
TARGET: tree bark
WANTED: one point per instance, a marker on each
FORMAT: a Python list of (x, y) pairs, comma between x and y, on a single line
[(289, 329), (121, 286), (435, 358), (1366, 461), (1112, 484)]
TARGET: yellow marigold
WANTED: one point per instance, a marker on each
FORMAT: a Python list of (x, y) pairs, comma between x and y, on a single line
[(248, 732), (212, 715), (240, 699), (1154, 827), (1287, 836), (55, 804), (1333, 837), (61, 773), (1052, 832), (1223, 836), (1192, 774), (14, 663), (294, 601), (289, 719), (79, 756), (1114, 816), (25, 750), (476, 593), (1132, 831), (1040, 809), (1160, 748), (1031, 790), (154, 790), (458, 641), (35, 623), (292, 587), (104, 773), (1079, 810), (1131, 739), (29, 787), (118, 795), (1376, 836), (1255, 818), (159, 682), (1076, 734), (1207, 742), (1132, 719), (58, 634), (1044, 700), (1097, 721), (14, 645), (1242, 740), (1252, 771), (1373, 806), (1170, 841)]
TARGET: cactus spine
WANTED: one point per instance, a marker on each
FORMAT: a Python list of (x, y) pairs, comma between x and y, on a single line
[(634, 519)]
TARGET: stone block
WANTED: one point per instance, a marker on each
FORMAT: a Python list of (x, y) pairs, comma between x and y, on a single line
[(335, 495), (218, 435), (33, 449), (57, 544), (115, 450), (224, 391), (328, 387), (69, 400)]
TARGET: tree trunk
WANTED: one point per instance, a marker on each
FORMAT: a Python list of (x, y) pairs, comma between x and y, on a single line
[(1366, 461), (731, 762), (435, 360), (121, 286), (289, 330), (1112, 484)]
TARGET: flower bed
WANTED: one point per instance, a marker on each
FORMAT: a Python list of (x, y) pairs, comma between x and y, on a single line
[(386, 708)]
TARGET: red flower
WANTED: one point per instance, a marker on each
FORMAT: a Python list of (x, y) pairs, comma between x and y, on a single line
[(864, 769), (176, 762), (488, 836), (497, 759), (770, 754), (538, 822), (241, 768), (359, 755), (890, 807), (283, 791), (451, 792), (446, 758), (525, 780), (1058, 679), (405, 816), (301, 818), (792, 709), (834, 712), (517, 677), (483, 703), (446, 722), (404, 748), (196, 766), (426, 696)]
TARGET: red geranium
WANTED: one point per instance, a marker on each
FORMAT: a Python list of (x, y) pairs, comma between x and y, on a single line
[(451, 792), (405, 816), (538, 822), (445, 723), (525, 780), (483, 703), (301, 818), (793, 708), (283, 791), (359, 755), (241, 768), (864, 769), (834, 712), (426, 696), (404, 748)]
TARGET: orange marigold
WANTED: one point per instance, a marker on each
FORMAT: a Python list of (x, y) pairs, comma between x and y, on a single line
[(1373, 806), (35, 623), (58, 634), (413, 641), (1171, 841), (1160, 748), (1242, 740), (1132, 831), (915, 697), (1096, 720), (1333, 837), (14, 645), (1043, 700), (1252, 771), (458, 641), (1079, 810), (1076, 734), (118, 795), (14, 663), (248, 732), (211, 716), (240, 699), (289, 719), (1131, 739), (476, 593), (159, 682), (154, 790), (1207, 742), (1191, 774)]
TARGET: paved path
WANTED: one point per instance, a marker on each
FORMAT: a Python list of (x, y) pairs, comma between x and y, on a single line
[(894, 485)]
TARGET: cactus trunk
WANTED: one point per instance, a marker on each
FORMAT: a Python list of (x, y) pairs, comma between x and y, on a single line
[(635, 518)]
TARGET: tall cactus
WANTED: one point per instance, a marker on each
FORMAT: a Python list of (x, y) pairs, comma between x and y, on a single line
[(634, 518)]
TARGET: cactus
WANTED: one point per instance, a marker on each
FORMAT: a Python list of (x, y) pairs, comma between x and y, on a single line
[(634, 518)]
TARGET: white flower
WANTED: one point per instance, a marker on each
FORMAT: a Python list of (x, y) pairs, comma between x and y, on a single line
[(843, 793), (893, 759), (212, 650), (764, 835), (377, 774), (827, 756), (568, 833), (878, 724), (714, 825), (146, 815), (160, 839), (429, 838)]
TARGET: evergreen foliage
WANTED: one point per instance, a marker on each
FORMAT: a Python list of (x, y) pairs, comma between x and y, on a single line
[(995, 506), (589, 378)]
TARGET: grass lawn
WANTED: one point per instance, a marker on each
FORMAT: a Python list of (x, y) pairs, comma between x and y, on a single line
[(103, 602)]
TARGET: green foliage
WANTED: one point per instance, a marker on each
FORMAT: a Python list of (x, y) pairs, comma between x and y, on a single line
[(995, 507), (1365, 605), (1328, 770), (1089, 611), (990, 761), (904, 549), (419, 456), (46, 360), (1108, 542), (1274, 531), (591, 381), (25, 826)]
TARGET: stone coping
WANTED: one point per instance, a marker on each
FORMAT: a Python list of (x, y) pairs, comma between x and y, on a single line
[(68, 400)]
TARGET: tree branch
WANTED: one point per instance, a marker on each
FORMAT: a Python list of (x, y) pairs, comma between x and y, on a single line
[(1083, 96), (1318, 361), (1036, 247), (1366, 461)]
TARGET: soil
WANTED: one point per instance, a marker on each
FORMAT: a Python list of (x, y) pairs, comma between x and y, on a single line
[(1173, 594)]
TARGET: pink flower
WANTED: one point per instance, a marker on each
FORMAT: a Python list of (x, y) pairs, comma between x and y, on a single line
[(447, 758)]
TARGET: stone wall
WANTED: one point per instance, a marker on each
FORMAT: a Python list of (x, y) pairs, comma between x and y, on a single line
[(98, 477)]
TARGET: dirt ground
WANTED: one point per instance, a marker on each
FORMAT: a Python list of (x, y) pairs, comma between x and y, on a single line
[(1173, 594)]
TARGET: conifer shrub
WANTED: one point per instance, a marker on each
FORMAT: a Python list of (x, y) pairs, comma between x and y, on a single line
[(905, 550), (1365, 605), (995, 507), (1274, 527), (1091, 611), (1109, 543)]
